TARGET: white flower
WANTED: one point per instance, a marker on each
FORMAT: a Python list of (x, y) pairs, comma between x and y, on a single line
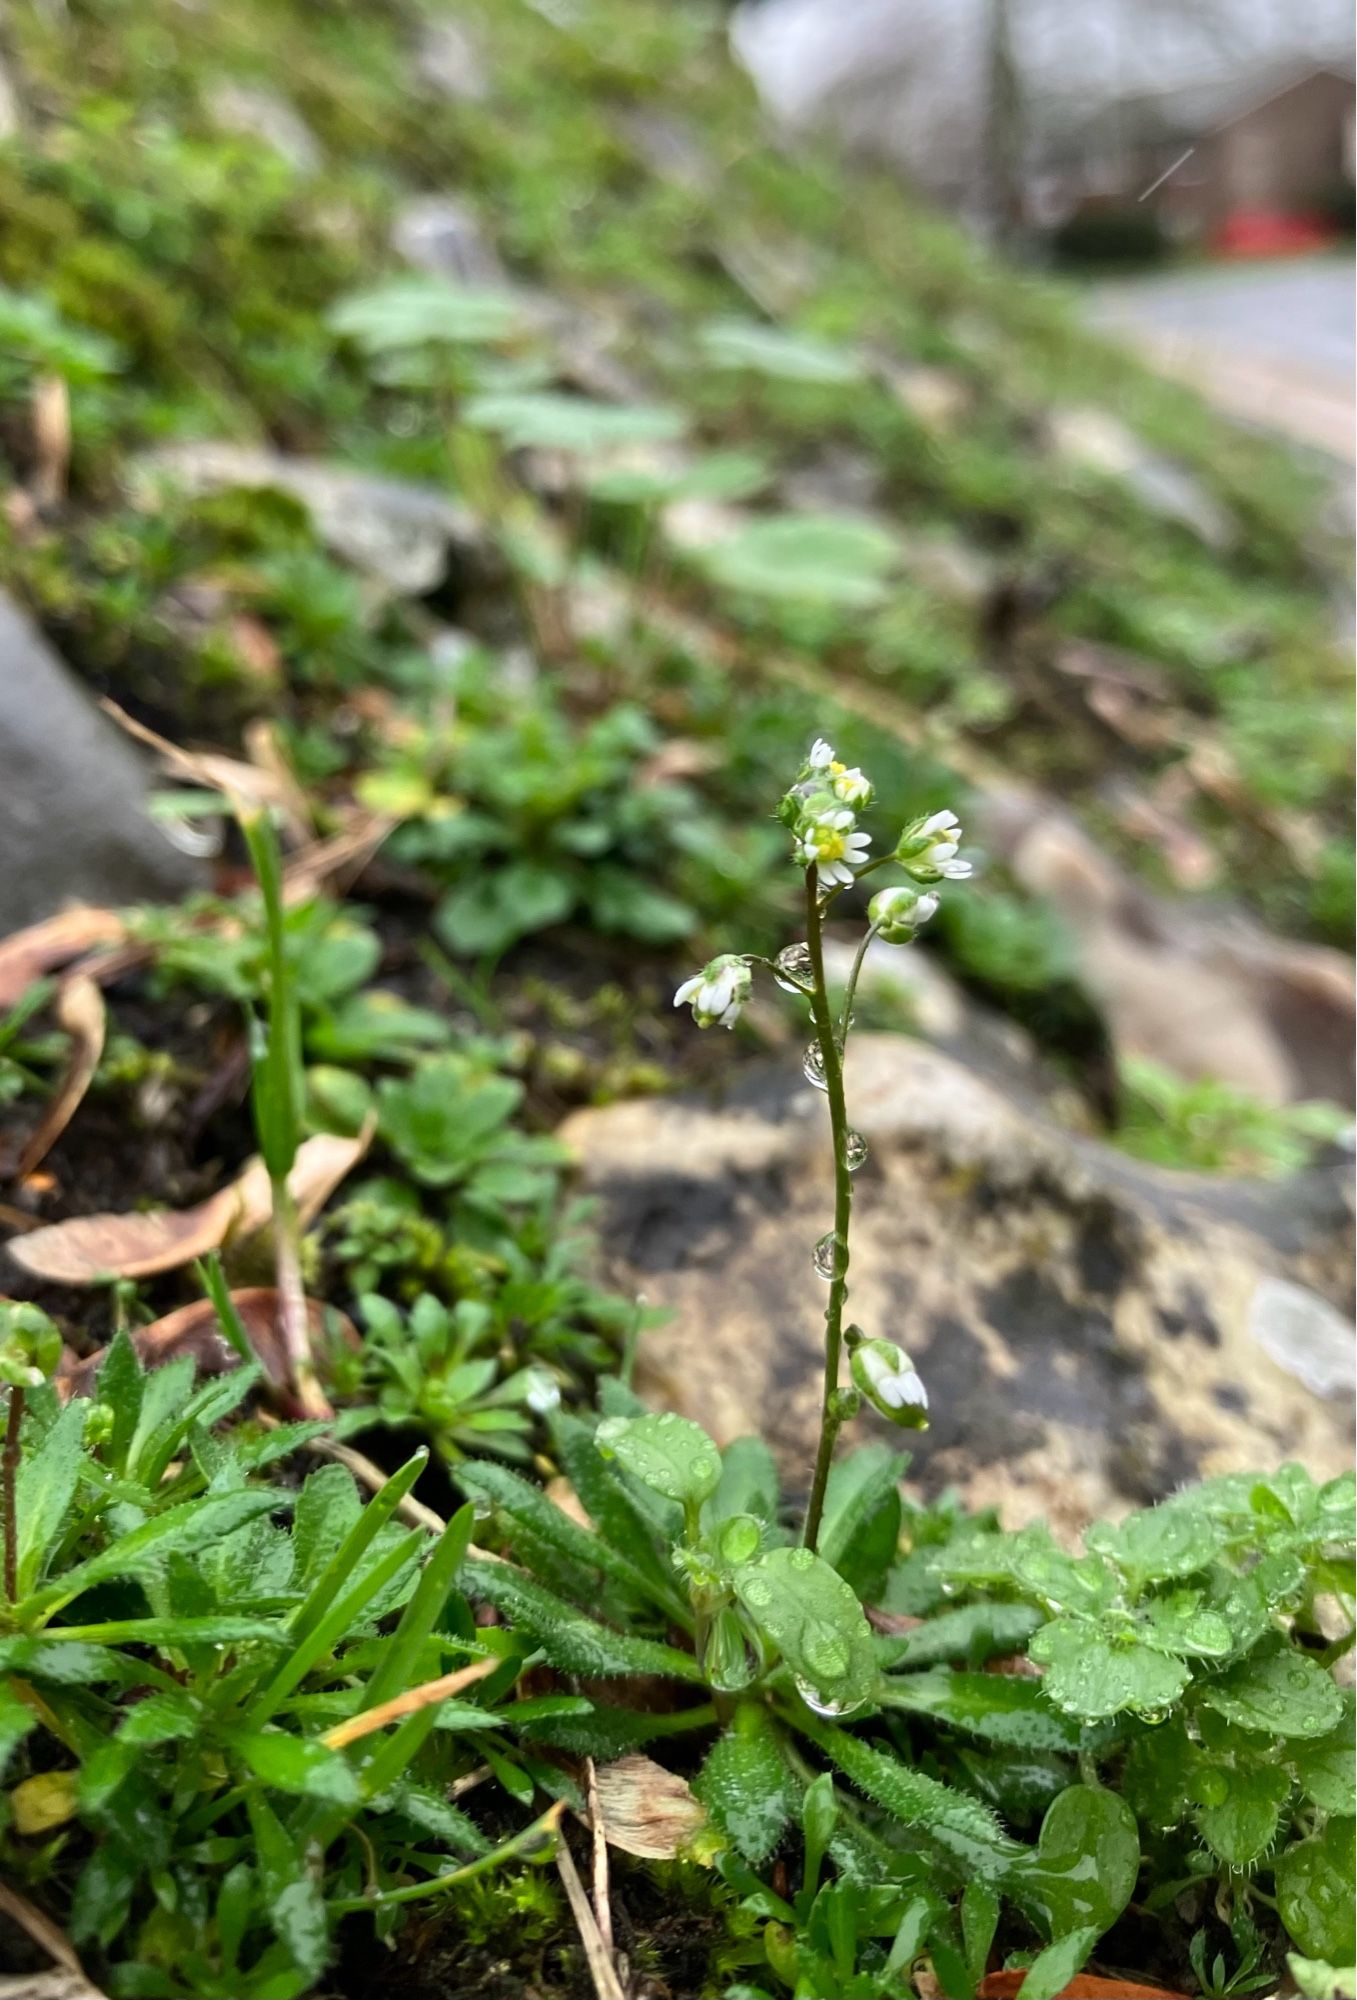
[(830, 843), (887, 1378), (717, 993), (821, 754), (851, 786), (897, 913), (928, 849)]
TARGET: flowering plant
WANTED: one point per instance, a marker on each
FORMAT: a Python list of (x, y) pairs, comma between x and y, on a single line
[(820, 810)]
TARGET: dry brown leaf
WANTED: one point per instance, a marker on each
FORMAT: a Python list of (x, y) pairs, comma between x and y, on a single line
[(26, 955), (249, 783), (50, 403), (647, 1810), (195, 1330), (80, 1011), (90, 1249)]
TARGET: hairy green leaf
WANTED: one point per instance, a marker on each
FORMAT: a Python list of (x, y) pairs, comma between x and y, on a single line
[(814, 1619), (566, 1636)]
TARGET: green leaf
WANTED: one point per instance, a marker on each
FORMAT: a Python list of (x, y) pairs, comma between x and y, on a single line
[(1242, 1825), (410, 312), (860, 1532), (396, 1669), (546, 421), (1324, 1768), (186, 1529), (615, 1514), (327, 1507), (292, 1764), (748, 1483), (815, 1621), (1176, 1625), (972, 1634), (669, 1454), (119, 1388), (1317, 1981), (999, 1708), (569, 1639), (746, 1786), (1083, 1871), (1279, 1691), (1316, 1893), (44, 1491), (1052, 1970), (16, 1720), (771, 351), (960, 1825), (490, 912), (522, 1502), (835, 560), (62, 1662), (1158, 1543), (1093, 1677), (291, 1895), (979, 1921)]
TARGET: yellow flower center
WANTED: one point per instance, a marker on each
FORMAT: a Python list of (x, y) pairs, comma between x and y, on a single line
[(829, 843)]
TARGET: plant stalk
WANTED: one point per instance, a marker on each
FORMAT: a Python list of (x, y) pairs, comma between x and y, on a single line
[(293, 1321), (9, 1481), (843, 1204)]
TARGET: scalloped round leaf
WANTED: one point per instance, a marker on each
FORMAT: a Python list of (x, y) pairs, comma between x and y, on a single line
[(1083, 1870), (1243, 1825), (544, 420), (1090, 1676), (1315, 1893), (1276, 1691), (783, 356)]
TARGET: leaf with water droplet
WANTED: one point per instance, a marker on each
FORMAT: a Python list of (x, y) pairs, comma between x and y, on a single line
[(1315, 1893), (1158, 1543), (670, 1454), (1278, 1691), (1084, 1869), (998, 1708), (813, 1618), (1093, 1676), (1324, 1768), (1240, 1810)]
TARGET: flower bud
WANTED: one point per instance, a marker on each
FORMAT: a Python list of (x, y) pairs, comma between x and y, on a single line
[(887, 1378), (725, 1657), (718, 993), (928, 849), (897, 913)]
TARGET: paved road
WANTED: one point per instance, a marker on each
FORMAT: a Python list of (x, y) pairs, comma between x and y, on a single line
[(1271, 343)]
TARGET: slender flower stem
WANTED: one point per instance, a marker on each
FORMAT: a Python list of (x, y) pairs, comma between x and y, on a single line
[(292, 1315), (832, 1058), (846, 1020), (9, 1480)]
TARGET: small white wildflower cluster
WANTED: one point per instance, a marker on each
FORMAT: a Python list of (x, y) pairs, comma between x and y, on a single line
[(821, 810)]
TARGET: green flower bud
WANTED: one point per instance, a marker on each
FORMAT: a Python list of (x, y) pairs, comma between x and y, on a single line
[(897, 913), (887, 1378)]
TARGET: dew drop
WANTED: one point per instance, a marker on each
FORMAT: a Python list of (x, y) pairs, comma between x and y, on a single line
[(801, 1559), (740, 1538), (854, 1151), (820, 1704), (825, 1651), (827, 1257), (813, 1066), (758, 1592), (793, 965)]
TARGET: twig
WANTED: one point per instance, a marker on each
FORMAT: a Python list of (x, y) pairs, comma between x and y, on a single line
[(528, 1841), (371, 1719), (603, 1909), (9, 1479), (41, 1929), (607, 1985)]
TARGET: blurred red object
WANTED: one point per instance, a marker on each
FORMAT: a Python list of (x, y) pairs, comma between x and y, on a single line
[(1270, 232), (1083, 1986)]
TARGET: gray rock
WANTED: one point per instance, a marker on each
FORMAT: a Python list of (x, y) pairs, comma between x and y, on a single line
[(73, 820), (1306, 1335), (668, 146), (442, 235), (449, 63), (1082, 1321), (1204, 996), (399, 533), (264, 115)]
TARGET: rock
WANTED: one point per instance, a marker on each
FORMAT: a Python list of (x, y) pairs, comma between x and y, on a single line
[(1305, 1335), (449, 63), (904, 973), (1102, 443), (399, 533), (937, 398), (73, 820), (950, 568), (837, 478), (1082, 1321), (264, 115), (442, 235), (1199, 994)]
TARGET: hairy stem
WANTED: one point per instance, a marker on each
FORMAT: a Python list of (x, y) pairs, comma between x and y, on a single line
[(9, 1480), (292, 1315), (843, 1204)]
